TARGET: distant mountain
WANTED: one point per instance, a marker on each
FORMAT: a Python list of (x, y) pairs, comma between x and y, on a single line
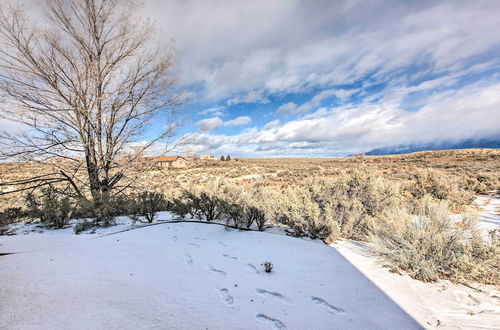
[(466, 144)]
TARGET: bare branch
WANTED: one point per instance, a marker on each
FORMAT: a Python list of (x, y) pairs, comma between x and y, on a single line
[(85, 89)]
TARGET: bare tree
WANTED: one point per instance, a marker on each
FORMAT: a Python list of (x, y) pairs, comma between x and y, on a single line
[(85, 90)]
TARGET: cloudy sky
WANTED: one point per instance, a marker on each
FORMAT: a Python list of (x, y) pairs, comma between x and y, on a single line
[(327, 78)]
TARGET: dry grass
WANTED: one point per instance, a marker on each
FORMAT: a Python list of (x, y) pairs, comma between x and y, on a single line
[(431, 245), (458, 171)]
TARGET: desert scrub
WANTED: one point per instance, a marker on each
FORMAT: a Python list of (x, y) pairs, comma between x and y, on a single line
[(459, 188), (82, 226), (431, 246), (255, 203), (146, 204), (347, 206), (8, 217), (5, 225), (471, 171), (360, 200), (50, 207), (268, 266), (223, 200), (202, 201), (429, 182), (305, 213)]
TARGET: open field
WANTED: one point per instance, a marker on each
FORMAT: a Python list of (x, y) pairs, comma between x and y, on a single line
[(474, 169), (285, 171)]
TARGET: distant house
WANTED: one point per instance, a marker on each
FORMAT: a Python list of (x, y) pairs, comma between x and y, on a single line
[(207, 157), (168, 161)]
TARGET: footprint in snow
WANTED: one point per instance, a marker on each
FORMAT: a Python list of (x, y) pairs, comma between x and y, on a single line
[(222, 244), (216, 271), (194, 244), (464, 297), (228, 256), (175, 238), (253, 268), (226, 297), (200, 239), (332, 309), (275, 295), (188, 259), (274, 323)]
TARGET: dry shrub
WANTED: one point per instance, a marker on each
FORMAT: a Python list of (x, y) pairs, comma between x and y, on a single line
[(346, 206), (82, 226), (305, 212), (146, 204), (8, 217), (431, 245), (201, 201), (360, 200), (50, 207), (479, 183), (429, 182), (457, 190), (481, 167), (224, 200)]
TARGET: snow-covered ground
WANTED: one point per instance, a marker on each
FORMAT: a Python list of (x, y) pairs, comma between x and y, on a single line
[(489, 206), (440, 305), (203, 276), (185, 276)]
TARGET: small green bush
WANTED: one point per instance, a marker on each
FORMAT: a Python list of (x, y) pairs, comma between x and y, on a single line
[(103, 213), (12, 214), (146, 204), (8, 217), (82, 226), (234, 213), (254, 214), (205, 204), (199, 204), (223, 200), (268, 266), (4, 226), (51, 208), (180, 207), (304, 214)]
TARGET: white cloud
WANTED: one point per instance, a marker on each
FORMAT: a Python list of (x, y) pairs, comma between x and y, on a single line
[(289, 107), (272, 124), (293, 108), (300, 46), (212, 124), (470, 113), (240, 121), (250, 97), (297, 45), (214, 111)]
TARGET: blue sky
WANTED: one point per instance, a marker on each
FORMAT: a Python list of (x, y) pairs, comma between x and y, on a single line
[(288, 78)]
